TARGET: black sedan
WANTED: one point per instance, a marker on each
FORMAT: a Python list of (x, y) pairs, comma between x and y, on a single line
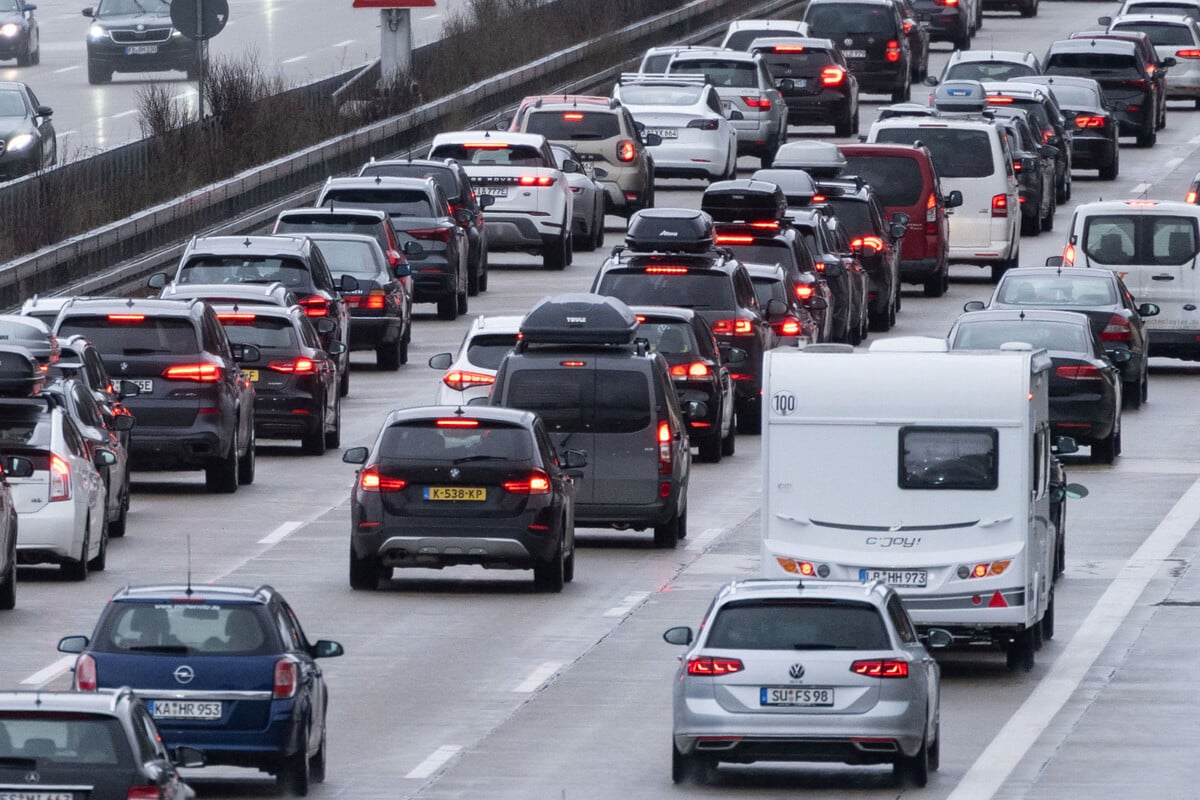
[(441, 487), (1085, 387), (772, 282), (1095, 144), (30, 142), (1100, 294), (19, 37)]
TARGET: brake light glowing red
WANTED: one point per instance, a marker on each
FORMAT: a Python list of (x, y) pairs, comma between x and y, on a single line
[(142, 793), (1117, 329), (696, 369), (443, 235), (203, 372), (804, 291), (908, 27), (60, 479), (626, 151), (666, 270), (789, 48), (395, 258), (126, 317), (1188, 53), (664, 432), (85, 673), (714, 665), (484, 145), (237, 319), (734, 238), (832, 76), (1000, 205), (760, 103), (536, 180), (664, 448), (1000, 100), (790, 327), (457, 422), (818, 198), (285, 679), (1089, 121), (573, 363), (872, 242), (315, 305), (705, 124), (369, 480), (734, 326), (460, 379), (537, 483), (573, 116), (293, 366), (881, 668), (893, 51), (931, 215), (772, 225), (1191, 197), (1078, 372)]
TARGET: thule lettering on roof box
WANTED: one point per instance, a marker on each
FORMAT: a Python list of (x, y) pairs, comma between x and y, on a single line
[(588, 319), (20, 375), (744, 201), (670, 230)]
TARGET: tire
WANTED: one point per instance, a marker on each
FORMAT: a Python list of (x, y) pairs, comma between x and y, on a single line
[(473, 280), (8, 586), (549, 576), (77, 569), (1105, 451), (1031, 11), (313, 443), (333, 438), (98, 563), (935, 749), (404, 348), (569, 568), (1110, 171), (554, 253), (462, 301), (729, 443), (588, 243), (447, 308), (695, 769), (902, 94), (344, 382), (294, 776), (855, 335), (246, 462), (1135, 393), (483, 272), (598, 234), (1047, 222), (35, 57), (749, 420), (666, 535), (1060, 555), (877, 322), (98, 74), (1030, 226), (710, 448), (1020, 655), (116, 527), (316, 764), (935, 286), (998, 270), (1147, 138), (844, 128), (365, 573), (913, 771), (387, 356), (681, 530), (963, 42), (1047, 623), (222, 476)]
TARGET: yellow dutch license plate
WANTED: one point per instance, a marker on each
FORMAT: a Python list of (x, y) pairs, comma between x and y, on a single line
[(252, 374), (468, 493)]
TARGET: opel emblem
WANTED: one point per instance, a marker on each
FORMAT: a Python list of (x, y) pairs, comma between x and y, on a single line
[(796, 670), (455, 472), (32, 777), (124, 366), (184, 674), (847, 41)]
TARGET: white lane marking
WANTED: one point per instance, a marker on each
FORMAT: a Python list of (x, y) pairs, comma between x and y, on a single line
[(430, 16), (699, 543), (1172, 163), (1194, 140), (346, 43), (538, 677), (128, 113), (627, 604), (1141, 187), (65, 69), (280, 533), (293, 59), (49, 673), (987, 775), (65, 134), (436, 761)]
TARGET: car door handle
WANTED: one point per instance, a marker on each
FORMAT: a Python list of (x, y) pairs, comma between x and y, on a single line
[(1162, 277)]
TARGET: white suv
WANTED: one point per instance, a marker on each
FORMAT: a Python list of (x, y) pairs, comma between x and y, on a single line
[(469, 375), (533, 207)]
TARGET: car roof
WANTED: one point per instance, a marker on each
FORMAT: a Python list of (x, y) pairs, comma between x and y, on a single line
[(427, 163), (501, 137), (1167, 19), (1094, 43), (677, 48), (374, 213), (334, 236), (1022, 91), (281, 244), (497, 323), (184, 592), (888, 150), (1013, 56), (672, 312), (279, 312), (514, 416), (1019, 314), (769, 588), (726, 55), (378, 182), (589, 104), (100, 701), (250, 291), (1139, 206), (135, 305), (793, 41), (1064, 80)]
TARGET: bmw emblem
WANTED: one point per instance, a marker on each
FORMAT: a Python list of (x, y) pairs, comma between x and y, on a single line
[(455, 472), (184, 674), (33, 777), (124, 366), (796, 670), (847, 41), (141, 27)]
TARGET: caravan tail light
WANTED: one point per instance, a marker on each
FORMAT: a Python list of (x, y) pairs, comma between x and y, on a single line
[(893, 51), (1000, 205), (967, 571), (1117, 329), (714, 665), (805, 568), (881, 668)]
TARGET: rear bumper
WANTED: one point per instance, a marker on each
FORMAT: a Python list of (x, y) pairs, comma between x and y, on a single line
[(826, 108), (917, 270), (875, 79), (432, 284), (1092, 152), (48, 535), (519, 232), (262, 748), (1086, 417), (174, 448), (946, 25), (638, 517), (1183, 344), (496, 543), (370, 332), (287, 416)]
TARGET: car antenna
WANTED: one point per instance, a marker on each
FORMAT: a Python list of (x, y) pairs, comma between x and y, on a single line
[(799, 584), (458, 412), (1021, 315), (188, 592)]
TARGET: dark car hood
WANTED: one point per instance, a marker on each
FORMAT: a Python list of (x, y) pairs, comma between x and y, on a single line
[(11, 126)]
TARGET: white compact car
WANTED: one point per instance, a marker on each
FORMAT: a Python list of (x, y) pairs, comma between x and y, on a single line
[(469, 375), (1176, 37), (697, 133), (741, 32), (533, 207)]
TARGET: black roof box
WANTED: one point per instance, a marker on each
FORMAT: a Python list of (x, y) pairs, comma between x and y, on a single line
[(678, 230), (590, 319), (744, 201), (20, 375)]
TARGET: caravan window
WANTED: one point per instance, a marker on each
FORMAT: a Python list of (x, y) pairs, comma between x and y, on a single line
[(948, 458)]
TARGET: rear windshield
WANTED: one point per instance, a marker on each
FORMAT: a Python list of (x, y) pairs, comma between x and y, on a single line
[(634, 95), (1055, 292), (245, 269), (1034, 108), (987, 71), (361, 259), (1162, 34), (896, 180), (742, 39), (785, 65), (427, 441), (656, 64), (396, 202), (492, 153), (192, 628), (767, 253), (270, 333), (948, 458), (1094, 64), (768, 289), (1166, 9), (854, 216), (842, 19), (956, 153), (668, 337), (62, 738), (328, 223), (489, 350), (1140, 239), (144, 337), (719, 72), (990, 334), (1076, 96), (443, 177), (574, 126), (798, 625), (694, 289), (24, 426), (576, 400)]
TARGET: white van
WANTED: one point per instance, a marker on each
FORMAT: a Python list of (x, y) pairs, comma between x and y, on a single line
[(938, 484), (971, 156), (1152, 245)]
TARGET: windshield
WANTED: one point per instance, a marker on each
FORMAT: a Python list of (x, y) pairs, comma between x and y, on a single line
[(956, 153), (1162, 34), (990, 334), (12, 104), (1055, 292), (360, 259), (245, 269)]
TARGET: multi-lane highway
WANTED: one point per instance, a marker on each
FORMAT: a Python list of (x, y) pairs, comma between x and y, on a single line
[(465, 683)]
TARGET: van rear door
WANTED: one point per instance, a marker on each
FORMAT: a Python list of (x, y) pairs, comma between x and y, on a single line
[(625, 456)]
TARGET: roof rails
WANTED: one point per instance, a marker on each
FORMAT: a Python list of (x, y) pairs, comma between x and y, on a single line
[(690, 78)]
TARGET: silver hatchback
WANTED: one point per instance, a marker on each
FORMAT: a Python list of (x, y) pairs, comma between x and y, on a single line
[(785, 671)]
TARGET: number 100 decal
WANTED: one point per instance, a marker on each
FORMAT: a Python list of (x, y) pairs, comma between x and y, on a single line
[(783, 403)]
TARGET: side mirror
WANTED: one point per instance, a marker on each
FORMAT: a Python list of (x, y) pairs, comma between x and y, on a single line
[(326, 326), (817, 304), (974, 305), (463, 216), (336, 348), (599, 172), (900, 218), (1055, 261), (680, 635), (954, 199), (1149, 310), (441, 360), (503, 123), (355, 455), (736, 115), (402, 270), (72, 644), (485, 200), (414, 250), (18, 467), (158, 280), (348, 283), (43, 111), (184, 756), (937, 638), (123, 422), (569, 166), (87, 12), (1076, 491), (652, 139), (245, 352), (1119, 356), (776, 309), (931, 80), (695, 409), (733, 355), (127, 389), (1065, 445), (897, 230), (104, 458), (572, 459), (1168, 62), (785, 84), (1105, 21), (326, 648)]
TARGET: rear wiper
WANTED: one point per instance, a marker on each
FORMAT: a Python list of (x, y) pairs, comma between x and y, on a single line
[(142, 351), (816, 646), (465, 459), (173, 649)]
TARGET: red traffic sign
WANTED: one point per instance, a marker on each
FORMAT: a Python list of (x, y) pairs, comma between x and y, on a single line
[(394, 3)]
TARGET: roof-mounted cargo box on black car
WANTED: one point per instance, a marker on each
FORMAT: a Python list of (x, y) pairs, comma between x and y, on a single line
[(744, 201), (587, 319), (20, 375), (678, 230)]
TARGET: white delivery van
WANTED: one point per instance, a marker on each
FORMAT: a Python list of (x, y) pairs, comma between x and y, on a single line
[(1153, 246), (936, 481)]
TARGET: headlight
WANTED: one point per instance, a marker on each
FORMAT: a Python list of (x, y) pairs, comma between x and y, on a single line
[(175, 34), (19, 142), (10, 29), (97, 32)]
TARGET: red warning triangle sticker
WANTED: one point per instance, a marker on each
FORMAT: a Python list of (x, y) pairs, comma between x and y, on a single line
[(997, 600)]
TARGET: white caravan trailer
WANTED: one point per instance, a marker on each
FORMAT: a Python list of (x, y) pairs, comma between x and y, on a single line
[(934, 477)]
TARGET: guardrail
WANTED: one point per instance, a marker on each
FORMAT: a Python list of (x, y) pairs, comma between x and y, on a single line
[(118, 257)]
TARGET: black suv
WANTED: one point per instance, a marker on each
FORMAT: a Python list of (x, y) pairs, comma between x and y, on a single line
[(1047, 121), (137, 36), (815, 81), (453, 180), (1120, 69), (683, 268), (949, 21), (194, 407), (1033, 163), (295, 261), (57, 742), (871, 35)]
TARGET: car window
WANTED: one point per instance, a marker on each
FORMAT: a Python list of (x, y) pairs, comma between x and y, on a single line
[(742, 38), (668, 337), (1140, 239), (1098, 64), (266, 333), (1162, 34), (72, 437), (574, 125), (845, 19), (425, 440), (149, 741), (442, 175), (194, 628), (291, 272), (700, 289), (488, 350), (134, 334), (956, 152), (719, 72), (396, 202), (97, 375), (990, 334), (1055, 292), (897, 180), (797, 625), (25, 426), (63, 738), (85, 407), (768, 289), (1076, 96), (948, 458), (308, 334), (493, 153), (657, 63), (767, 252), (578, 400), (359, 259)]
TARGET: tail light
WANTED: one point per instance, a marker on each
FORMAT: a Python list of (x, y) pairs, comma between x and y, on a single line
[(872, 242), (369, 480), (950, 3), (85, 673), (893, 51), (60, 479), (286, 679), (714, 665), (460, 379), (126, 317), (788, 48), (832, 76), (536, 180), (537, 483), (734, 326), (443, 235), (664, 448), (1191, 197), (734, 238), (789, 327), (705, 124), (931, 214), (237, 318), (1000, 100), (760, 103), (666, 270), (999, 205), (626, 151), (697, 369), (142, 793), (1117, 329), (1189, 53), (1089, 121), (881, 668), (1017, 165), (1047, 135), (203, 372), (375, 301), (395, 258), (1069, 255), (315, 305), (804, 291), (1078, 372), (908, 27), (293, 366)]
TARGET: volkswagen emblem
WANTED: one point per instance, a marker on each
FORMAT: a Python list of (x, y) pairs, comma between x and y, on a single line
[(847, 41), (455, 472), (796, 670), (124, 366), (184, 674), (32, 777)]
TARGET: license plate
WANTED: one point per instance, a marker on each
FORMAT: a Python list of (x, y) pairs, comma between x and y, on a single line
[(810, 696), (494, 191), (141, 50), (145, 385), (252, 374), (36, 796), (665, 133), (469, 493), (184, 709), (854, 53), (895, 577)]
